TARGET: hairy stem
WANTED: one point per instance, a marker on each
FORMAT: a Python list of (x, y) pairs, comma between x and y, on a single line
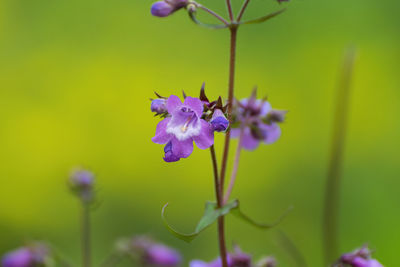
[(332, 195), (216, 180), (242, 10), (235, 168), (216, 15), (85, 235)]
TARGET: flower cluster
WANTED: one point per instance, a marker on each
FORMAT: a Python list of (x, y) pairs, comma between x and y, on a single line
[(358, 258), (254, 121), (149, 252), (81, 183), (193, 120), (236, 259), (35, 254), (167, 7)]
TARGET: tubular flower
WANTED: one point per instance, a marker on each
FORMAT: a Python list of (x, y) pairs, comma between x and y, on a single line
[(181, 127), (35, 254), (256, 122), (236, 259)]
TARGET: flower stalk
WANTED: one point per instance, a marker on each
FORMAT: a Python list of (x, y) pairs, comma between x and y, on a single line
[(85, 235)]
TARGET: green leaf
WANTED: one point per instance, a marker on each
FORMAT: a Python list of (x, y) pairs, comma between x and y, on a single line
[(264, 18), (238, 213), (211, 214)]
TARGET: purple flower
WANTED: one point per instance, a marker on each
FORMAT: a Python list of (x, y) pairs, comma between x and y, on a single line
[(159, 106), (257, 123), (359, 258), (236, 259), (21, 257), (183, 127), (150, 252), (32, 255), (218, 121), (167, 7), (82, 184)]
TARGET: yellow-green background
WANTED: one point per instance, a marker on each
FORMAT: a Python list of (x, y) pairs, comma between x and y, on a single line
[(75, 79)]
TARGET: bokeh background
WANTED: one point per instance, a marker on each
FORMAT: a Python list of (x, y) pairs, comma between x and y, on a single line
[(75, 79)]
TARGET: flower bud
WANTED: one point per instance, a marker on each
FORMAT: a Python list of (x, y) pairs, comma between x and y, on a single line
[(219, 122), (167, 7), (162, 9), (159, 106), (82, 184), (276, 116), (267, 262)]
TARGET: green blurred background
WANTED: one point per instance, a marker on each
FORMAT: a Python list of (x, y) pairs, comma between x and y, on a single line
[(76, 77)]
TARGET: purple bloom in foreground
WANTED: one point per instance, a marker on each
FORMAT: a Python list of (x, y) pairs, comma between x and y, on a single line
[(218, 121), (258, 122), (167, 7), (183, 127), (150, 252), (358, 258), (33, 255), (236, 259), (21, 257)]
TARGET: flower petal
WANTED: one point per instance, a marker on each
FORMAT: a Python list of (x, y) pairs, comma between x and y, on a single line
[(182, 149), (273, 132), (206, 137), (162, 137), (265, 108), (198, 263), (248, 141), (195, 104), (172, 103)]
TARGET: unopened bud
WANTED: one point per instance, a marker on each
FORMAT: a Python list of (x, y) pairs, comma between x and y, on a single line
[(159, 105), (82, 184), (219, 122)]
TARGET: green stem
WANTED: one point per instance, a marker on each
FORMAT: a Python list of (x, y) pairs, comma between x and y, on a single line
[(85, 235), (332, 195), (221, 224)]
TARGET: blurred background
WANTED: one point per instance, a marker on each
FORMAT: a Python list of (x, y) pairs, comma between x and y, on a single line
[(75, 79)]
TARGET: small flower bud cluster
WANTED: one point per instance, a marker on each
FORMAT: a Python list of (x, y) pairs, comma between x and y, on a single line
[(358, 258), (81, 183), (255, 121), (167, 7), (194, 120), (149, 252), (236, 259), (35, 254)]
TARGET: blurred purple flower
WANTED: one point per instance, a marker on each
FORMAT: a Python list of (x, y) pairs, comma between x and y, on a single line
[(183, 127), (167, 7), (21, 257), (358, 258), (32, 255), (257, 122), (82, 184), (236, 259), (150, 252), (218, 121)]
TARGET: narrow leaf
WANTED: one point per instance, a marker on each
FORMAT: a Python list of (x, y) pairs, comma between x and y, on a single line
[(211, 214), (264, 18), (238, 213)]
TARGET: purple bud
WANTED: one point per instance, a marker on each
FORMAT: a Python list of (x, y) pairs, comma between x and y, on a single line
[(21, 257), (240, 259), (162, 9), (159, 105), (169, 156), (82, 183), (218, 121)]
